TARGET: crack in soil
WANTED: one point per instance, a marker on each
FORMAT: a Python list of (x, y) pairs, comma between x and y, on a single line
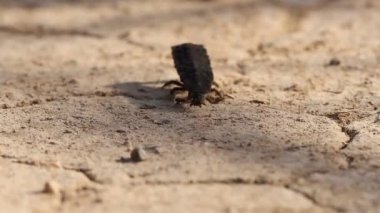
[(343, 119), (43, 31), (86, 172), (38, 102), (313, 199), (243, 181), (126, 37), (227, 181), (351, 133)]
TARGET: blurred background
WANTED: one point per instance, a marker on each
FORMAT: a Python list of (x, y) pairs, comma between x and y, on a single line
[(80, 85)]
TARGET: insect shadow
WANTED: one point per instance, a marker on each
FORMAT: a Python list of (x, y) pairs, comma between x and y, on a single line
[(147, 95)]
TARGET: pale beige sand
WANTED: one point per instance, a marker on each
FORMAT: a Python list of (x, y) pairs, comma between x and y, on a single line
[(80, 86)]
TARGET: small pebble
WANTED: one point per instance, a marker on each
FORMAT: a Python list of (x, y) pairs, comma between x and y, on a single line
[(334, 62), (52, 187), (5, 106), (72, 81), (139, 154), (36, 101), (56, 164)]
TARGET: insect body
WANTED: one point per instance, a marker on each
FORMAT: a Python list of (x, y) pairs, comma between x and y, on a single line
[(194, 69)]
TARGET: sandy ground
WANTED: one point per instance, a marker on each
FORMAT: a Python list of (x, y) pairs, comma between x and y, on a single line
[(80, 87)]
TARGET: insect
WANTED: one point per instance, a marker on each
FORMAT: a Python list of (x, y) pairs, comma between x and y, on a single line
[(194, 69)]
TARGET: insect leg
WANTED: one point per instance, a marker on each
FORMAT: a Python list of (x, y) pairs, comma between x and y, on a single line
[(213, 100), (181, 100), (177, 89), (175, 82), (221, 94)]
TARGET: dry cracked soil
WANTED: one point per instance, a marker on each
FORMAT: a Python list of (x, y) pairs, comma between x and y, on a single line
[(80, 86)]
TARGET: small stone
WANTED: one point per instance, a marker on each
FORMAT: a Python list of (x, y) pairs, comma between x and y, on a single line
[(5, 106), (9, 95), (334, 62), (139, 154), (52, 187), (261, 180), (56, 164), (72, 81), (100, 93), (35, 101)]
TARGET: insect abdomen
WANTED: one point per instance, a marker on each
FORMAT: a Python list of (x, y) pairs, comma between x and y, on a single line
[(193, 66)]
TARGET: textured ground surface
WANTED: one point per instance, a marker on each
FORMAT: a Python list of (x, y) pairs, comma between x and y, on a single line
[(80, 86)]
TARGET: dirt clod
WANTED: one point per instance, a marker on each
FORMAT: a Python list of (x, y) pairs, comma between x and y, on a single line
[(52, 187), (139, 154), (300, 135), (334, 62)]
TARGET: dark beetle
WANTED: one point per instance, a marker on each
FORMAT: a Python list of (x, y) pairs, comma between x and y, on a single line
[(194, 69)]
